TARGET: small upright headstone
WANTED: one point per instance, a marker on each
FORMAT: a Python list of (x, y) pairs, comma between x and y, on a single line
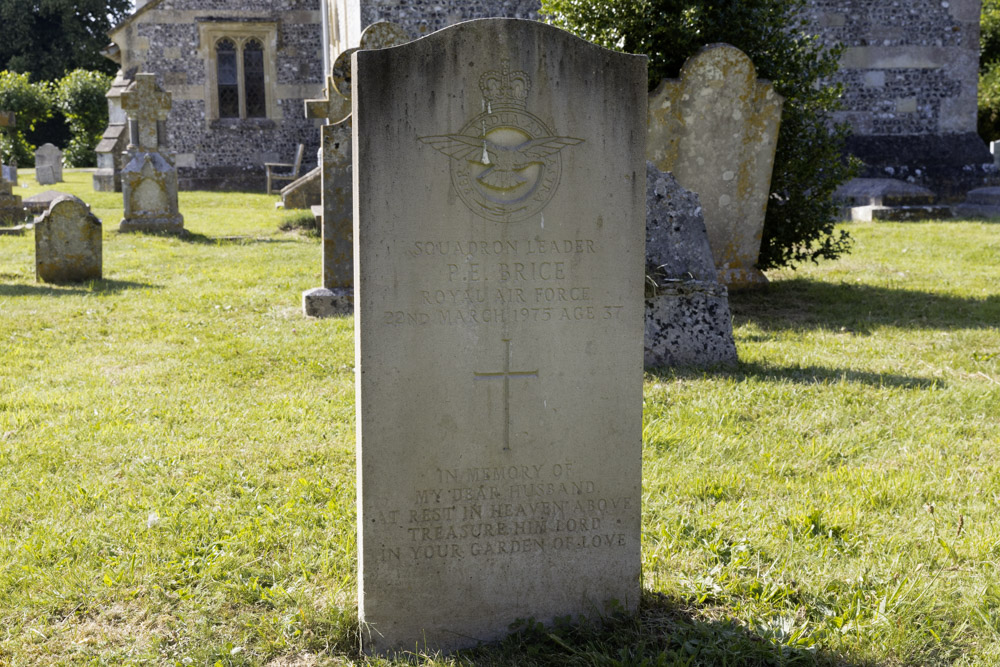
[(67, 243), (336, 296), (8, 172), (149, 178), (716, 129), (687, 311), (48, 165), (12, 210), (8, 119), (499, 190)]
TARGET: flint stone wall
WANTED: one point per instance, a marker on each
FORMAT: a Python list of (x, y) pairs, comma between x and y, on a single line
[(346, 19), (421, 17), (688, 322), (910, 73)]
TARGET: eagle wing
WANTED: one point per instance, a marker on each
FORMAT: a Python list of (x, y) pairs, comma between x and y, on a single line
[(539, 148), (461, 147)]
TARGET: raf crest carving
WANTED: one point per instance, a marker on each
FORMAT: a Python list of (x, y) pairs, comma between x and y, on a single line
[(505, 162)]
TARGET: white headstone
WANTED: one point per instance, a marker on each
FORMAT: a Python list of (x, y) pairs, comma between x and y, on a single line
[(499, 226), (48, 165)]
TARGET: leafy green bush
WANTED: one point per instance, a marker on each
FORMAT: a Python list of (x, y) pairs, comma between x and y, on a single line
[(32, 102), (989, 71), (809, 164), (80, 95)]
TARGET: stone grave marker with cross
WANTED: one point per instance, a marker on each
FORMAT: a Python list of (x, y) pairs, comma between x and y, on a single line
[(499, 252), (336, 296), (149, 177)]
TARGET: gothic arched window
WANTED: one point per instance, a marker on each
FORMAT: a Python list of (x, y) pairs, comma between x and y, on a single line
[(240, 77), (253, 79), (228, 79)]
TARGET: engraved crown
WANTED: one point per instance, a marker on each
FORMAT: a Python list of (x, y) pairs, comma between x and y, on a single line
[(505, 88)]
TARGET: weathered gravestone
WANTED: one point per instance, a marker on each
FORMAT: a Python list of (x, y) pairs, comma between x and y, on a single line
[(48, 165), (149, 177), (716, 129), (67, 243), (687, 310), (8, 172), (336, 296), (12, 210), (499, 215), (38, 204)]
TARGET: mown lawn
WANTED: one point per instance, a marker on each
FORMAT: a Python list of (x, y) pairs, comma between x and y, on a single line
[(177, 471)]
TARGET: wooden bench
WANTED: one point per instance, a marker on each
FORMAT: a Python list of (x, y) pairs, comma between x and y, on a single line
[(274, 169)]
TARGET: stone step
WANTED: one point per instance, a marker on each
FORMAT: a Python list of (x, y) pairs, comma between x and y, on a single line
[(897, 213), (968, 209), (984, 196), (886, 192)]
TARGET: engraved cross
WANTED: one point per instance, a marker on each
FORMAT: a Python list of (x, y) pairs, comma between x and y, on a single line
[(506, 374)]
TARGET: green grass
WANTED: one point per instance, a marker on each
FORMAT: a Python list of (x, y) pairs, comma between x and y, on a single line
[(177, 473)]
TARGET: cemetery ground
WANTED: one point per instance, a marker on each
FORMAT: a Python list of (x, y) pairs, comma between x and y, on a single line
[(177, 464)]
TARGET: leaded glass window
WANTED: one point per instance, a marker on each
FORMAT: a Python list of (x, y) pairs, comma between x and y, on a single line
[(228, 79), (253, 79)]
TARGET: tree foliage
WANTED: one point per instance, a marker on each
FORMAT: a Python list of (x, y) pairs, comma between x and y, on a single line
[(80, 95), (32, 102), (989, 70), (50, 38), (809, 164)]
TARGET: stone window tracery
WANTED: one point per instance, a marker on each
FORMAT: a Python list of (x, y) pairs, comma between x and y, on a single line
[(240, 78), (241, 70)]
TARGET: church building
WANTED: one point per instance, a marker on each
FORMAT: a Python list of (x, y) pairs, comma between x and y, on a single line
[(239, 73)]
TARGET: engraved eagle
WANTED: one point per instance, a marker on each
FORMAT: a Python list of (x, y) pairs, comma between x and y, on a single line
[(504, 162)]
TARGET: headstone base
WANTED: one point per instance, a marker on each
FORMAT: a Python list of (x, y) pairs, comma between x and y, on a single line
[(740, 278), (688, 324), (980, 203), (160, 225), (898, 213), (12, 210), (323, 302), (17, 230), (105, 180)]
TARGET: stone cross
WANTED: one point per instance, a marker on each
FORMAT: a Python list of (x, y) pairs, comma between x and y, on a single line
[(505, 375), (147, 106), (335, 297)]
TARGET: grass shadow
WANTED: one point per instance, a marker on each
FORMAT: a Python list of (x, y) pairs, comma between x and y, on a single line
[(68, 289), (202, 239), (801, 303), (798, 375), (663, 632)]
